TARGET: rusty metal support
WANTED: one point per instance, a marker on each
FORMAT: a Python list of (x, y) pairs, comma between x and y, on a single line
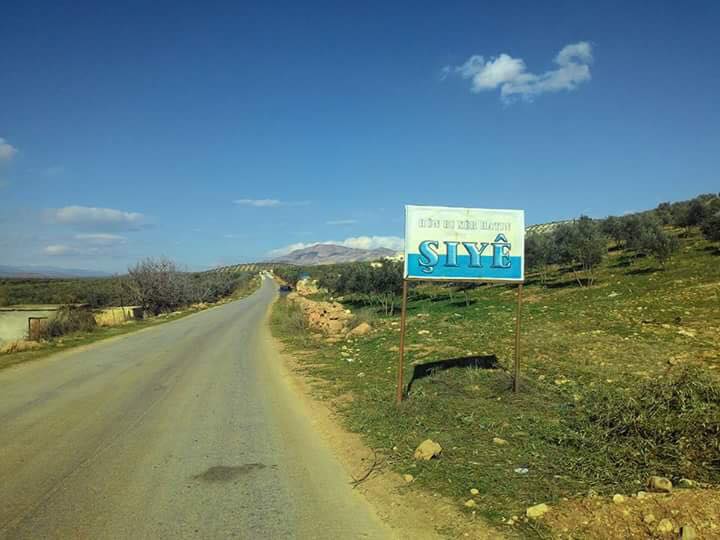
[(403, 314), (516, 367)]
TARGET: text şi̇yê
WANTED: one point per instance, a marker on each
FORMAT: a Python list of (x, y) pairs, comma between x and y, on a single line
[(429, 257)]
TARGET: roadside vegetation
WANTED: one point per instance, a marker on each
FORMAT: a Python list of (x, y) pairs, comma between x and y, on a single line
[(161, 290), (620, 365)]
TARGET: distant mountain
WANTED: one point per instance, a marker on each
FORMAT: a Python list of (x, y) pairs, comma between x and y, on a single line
[(331, 254), (47, 271)]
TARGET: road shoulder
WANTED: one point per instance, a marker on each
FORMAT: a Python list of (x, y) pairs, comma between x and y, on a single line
[(410, 512)]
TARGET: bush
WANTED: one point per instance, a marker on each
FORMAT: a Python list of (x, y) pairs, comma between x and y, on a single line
[(668, 426), (158, 286), (66, 321), (364, 315)]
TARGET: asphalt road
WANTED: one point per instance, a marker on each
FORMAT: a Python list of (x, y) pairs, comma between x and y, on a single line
[(184, 430)]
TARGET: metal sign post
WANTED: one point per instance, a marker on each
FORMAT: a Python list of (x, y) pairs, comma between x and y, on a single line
[(399, 393), (516, 369), (463, 244)]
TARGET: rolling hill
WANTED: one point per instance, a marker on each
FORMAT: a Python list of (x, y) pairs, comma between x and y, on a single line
[(331, 254)]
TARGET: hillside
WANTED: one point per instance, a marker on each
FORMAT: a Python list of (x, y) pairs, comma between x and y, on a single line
[(333, 254), (619, 381)]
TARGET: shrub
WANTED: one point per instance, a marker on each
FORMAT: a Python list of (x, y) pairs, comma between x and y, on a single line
[(158, 285), (669, 426), (66, 321), (581, 244), (364, 315)]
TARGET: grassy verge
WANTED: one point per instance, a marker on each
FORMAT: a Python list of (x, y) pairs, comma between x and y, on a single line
[(100, 333), (619, 382)]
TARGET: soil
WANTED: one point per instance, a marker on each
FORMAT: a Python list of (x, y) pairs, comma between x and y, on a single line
[(637, 517)]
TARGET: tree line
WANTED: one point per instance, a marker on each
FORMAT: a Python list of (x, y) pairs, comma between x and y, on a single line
[(157, 285), (376, 283), (578, 246), (583, 244)]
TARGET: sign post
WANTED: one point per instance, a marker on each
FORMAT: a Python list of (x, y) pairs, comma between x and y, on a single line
[(403, 315), (463, 244)]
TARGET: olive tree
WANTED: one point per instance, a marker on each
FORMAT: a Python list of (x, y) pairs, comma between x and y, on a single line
[(581, 245), (539, 250), (711, 227)]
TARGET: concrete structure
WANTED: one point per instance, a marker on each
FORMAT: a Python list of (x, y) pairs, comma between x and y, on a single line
[(14, 320)]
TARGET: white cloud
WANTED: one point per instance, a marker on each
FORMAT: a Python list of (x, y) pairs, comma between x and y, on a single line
[(101, 239), (511, 75), (60, 250), (360, 242), (268, 203), (98, 218), (341, 222), (7, 150), (234, 236)]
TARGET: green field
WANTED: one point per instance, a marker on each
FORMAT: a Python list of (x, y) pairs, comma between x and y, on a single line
[(620, 381)]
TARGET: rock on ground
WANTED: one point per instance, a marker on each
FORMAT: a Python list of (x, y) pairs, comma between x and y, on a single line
[(659, 484), (360, 330), (537, 511), (330, 318), (427, 450), (665, 526)]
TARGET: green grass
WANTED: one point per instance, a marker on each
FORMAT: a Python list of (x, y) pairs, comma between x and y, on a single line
[(105, 332), (622, 347)]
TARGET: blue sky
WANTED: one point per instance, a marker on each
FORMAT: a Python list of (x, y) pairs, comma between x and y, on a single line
[(217, 133)]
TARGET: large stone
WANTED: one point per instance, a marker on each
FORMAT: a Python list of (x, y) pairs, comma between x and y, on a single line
[(334, 327), (537, 511), (687, 532), (686, 483), (427, 450), (361, 329), (665, 526), (659, 484)]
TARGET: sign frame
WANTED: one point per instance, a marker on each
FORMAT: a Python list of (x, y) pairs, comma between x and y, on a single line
[(519, 281)]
